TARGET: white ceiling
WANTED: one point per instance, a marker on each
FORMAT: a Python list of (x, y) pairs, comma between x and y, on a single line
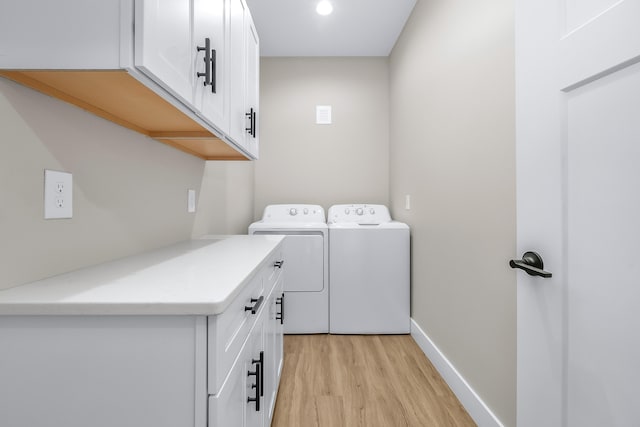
[(355, 28)]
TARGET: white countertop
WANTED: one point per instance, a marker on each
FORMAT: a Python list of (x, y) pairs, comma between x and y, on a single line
[(197, 277)]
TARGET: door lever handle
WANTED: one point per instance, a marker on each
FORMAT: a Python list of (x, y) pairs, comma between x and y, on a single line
[(532, 263)]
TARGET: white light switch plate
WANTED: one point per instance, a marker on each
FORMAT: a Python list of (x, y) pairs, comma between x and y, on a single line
[(58, 195), (191, 201), (323, 114)]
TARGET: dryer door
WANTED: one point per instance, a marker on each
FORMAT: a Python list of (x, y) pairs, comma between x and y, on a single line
[(304, 257), (305, 263)]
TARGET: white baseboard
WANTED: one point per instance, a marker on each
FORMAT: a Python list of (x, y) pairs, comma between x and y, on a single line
[(476, 408)]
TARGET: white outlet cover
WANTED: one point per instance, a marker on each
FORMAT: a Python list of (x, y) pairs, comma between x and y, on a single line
[(58, 194), (191, 201)]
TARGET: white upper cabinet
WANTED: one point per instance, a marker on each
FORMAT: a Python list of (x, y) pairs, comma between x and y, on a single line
[(163, 44), (252, 86), (52, 35), (180, 44), (210, 60), (237, 65), (244, 88), (173, 70)]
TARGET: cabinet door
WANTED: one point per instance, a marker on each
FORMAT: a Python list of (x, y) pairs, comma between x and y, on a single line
[(210, 20), (228, 407), (279, 329), (163, 45), (253, 83), (237, 72), (273, 349), (232, 405)]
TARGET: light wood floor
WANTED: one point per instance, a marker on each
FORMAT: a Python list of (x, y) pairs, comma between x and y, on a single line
[(362, 381)]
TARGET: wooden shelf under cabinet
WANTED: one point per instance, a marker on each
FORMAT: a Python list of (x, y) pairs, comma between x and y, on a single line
[(119, 97)]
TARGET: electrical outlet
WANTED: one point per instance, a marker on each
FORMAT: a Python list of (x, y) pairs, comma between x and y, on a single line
[(58, 194)]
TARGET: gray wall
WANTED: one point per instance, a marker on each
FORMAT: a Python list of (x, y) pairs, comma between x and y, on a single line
[(226, 202), (301, 162), (453, 151), (130, 192), (443, 103)]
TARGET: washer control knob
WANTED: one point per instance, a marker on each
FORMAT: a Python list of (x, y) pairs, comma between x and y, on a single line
[(305, 211), (359, 211), (347, 211), (293, 211), (372, 211)]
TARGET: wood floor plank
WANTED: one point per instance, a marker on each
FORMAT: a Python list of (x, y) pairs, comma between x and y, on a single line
[(362, 381)]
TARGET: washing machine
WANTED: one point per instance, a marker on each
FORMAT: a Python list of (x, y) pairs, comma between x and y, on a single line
[(369, 261), (306, 272)]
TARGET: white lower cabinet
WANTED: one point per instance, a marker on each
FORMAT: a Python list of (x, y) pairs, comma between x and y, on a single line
[(247, 396), (148, 371), (103, 371)]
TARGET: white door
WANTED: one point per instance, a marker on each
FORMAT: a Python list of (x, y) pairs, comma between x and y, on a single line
[(578, 173), (163, 45)]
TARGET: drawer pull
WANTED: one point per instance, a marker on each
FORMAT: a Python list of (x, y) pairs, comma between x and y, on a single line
[(256, 306), (280, 302), (260, 361), (207, 61), (251, 115), (278, 264), (256, 386), (213, 72)]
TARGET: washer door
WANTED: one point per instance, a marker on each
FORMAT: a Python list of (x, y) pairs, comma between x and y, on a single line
[(304, 255)]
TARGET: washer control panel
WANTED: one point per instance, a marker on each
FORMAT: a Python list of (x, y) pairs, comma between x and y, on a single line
[(361, 214), (294, 213)]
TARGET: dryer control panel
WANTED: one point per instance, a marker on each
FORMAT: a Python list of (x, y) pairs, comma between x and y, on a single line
[(294, 213), (361, 214)]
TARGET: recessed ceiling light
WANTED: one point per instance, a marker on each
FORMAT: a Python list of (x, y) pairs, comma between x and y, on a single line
[(324, 7)]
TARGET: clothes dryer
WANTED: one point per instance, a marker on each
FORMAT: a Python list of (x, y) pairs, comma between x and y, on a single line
[(369, 263), (306, 256)]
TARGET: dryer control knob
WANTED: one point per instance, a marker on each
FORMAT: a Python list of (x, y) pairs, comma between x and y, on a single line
[(372, 211), (359, 211), (347, 211), (293, 211), (305, 211)]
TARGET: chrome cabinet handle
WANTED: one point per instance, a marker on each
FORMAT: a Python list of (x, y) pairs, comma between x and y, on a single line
[(531, 262)]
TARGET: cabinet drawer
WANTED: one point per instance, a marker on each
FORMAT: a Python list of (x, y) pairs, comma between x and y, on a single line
[(228, 331)]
